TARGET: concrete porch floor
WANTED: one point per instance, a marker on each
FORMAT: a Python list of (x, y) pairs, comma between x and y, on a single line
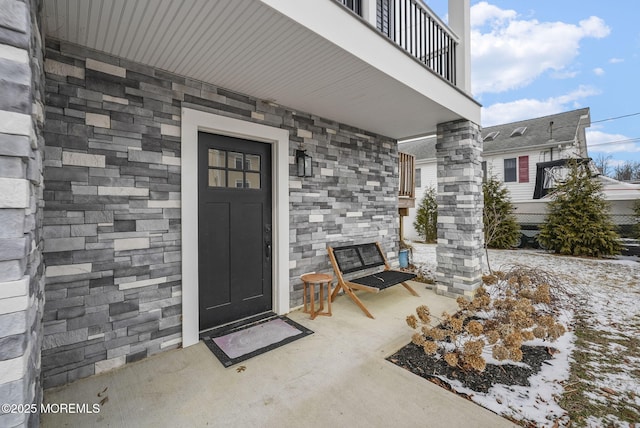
[(337, 377)]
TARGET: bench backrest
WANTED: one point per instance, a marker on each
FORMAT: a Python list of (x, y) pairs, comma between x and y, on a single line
[(353, 258)]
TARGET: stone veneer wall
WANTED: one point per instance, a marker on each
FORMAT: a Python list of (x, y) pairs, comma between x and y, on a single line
[(112, 216), (21, 269), (352, 197), (460, 230)]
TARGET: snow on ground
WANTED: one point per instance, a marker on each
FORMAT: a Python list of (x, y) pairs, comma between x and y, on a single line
[(607, 294)]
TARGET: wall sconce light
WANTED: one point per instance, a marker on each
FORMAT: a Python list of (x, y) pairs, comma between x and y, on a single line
[(303, 164)]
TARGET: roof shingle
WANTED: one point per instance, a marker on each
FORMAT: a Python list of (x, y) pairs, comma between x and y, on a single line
[(538, 131)]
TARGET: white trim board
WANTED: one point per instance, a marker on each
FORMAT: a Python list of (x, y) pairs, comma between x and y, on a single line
[(192, 122)]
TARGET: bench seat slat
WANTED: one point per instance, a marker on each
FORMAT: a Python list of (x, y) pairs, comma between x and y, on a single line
[(384, 279)]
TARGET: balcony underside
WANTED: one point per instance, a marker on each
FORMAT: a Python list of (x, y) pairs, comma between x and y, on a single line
[(318, 58)]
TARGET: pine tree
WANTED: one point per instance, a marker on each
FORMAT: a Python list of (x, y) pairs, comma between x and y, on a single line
[(578, 221), (500, 227), (427, 216)]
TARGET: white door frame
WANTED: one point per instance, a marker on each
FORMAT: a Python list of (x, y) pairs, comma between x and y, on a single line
[(192, 122)]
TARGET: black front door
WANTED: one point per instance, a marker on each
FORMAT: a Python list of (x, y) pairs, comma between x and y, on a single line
[(234, 220)]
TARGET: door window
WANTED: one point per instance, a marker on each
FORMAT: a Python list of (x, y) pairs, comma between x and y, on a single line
[(234, 170)]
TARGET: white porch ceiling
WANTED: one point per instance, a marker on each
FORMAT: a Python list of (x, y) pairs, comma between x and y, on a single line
[(249, 47)]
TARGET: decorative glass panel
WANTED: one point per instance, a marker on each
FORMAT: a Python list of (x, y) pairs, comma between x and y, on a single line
[(252, 162), (235, 160), (236, 179), (216, 158), (252, 180), (217, 178)]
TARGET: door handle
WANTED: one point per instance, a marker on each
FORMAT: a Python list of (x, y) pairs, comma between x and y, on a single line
[(267, 250), (267, 241)]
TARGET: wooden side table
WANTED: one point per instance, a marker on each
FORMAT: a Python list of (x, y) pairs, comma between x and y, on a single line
[(310, 280)]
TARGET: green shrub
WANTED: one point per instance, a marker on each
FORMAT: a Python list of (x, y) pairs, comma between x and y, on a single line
[(578, 221), (500, 227), (427, 216)]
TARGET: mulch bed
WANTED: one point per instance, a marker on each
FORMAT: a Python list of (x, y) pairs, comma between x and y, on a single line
[(413, 358)]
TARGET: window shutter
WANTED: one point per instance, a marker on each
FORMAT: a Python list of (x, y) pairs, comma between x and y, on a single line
[(523, 169)]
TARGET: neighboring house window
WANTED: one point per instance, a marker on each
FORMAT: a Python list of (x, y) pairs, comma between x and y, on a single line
[(523, 169), (544, 156), (418, 177), (510, 170), (484, 171)]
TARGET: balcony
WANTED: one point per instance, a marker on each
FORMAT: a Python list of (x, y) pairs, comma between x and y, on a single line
[(416, 29), (318, 57)]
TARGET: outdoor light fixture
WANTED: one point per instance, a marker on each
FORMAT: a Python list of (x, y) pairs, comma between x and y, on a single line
[(303, 163)]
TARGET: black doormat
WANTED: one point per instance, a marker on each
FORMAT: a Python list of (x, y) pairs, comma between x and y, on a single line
[(239, 343)]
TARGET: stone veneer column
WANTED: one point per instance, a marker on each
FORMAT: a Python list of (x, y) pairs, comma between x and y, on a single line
[(460, 236), (21, 279)]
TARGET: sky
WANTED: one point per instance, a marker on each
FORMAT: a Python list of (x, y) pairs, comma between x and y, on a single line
[(532, 58)]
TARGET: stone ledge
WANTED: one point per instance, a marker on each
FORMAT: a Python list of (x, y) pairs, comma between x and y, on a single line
[(64, 270), (14, 54), (14, 304), (122, 191), (124, 244), (83, 159), (15, 145), (15, 123), (14, 193), (14, 16), (14, 323), (14, 368), (13, 249), (103, 67), (62, 69), (14, 288), (142, 283)]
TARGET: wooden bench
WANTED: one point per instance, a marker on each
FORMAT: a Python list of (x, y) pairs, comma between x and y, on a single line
[(352, 259)]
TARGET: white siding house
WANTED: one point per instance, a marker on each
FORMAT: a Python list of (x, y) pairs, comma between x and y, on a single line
[(511, 153)]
